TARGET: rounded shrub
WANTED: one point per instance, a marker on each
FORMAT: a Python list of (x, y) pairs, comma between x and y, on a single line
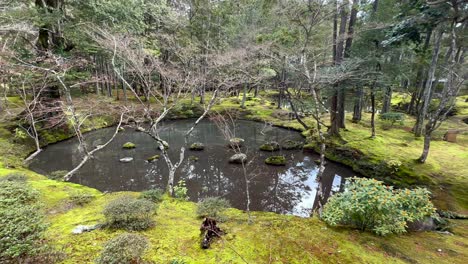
[(367, 204), (129, 213), (124, 248), (81, 198), (153, 195), (212, 207), (21, 222)]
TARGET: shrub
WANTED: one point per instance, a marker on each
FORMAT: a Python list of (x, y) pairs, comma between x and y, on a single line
[(21, 221), (154, 195), (14, 177), (124, 248), (367, 204), (212, 207), (180, 190), (57, 175), (129, 213), (390, 118), (81, 198), (14, 194)]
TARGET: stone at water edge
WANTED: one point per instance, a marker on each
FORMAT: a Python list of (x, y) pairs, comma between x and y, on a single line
[(128, 145), (126, 159), (291, 144), (197, 146), (153, 158), (276, 160), (236, 142), (270, 146), (238, 158)]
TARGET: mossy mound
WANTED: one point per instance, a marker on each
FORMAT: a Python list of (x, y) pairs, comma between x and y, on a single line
[(236, 142), (276, 160), (153, 158), (270, 146), (193, 158), (129, 145), (291, 144), (197, 146)]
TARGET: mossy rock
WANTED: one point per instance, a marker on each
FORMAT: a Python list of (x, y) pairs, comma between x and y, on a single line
[(121, 129), (270, 146), (197, 146), (291, 144), (129, 145), (236, 142), (193, 158), (276, 160), (153, 158)]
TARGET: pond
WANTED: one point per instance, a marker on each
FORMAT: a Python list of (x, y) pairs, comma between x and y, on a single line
[(289, 189)]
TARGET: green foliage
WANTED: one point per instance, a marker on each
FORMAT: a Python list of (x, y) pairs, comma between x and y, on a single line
[(57, 175), (212, 207), (276, 160), (21, 221), (180, 190), (14, 177), (81, 198), (124, 248), (129, 213), (128, 145), (389, 119), (153, 195), (368, 204)]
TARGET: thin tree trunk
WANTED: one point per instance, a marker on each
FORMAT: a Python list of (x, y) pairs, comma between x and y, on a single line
[(387, 100), (373, 110), (428, 87), (357, 111)]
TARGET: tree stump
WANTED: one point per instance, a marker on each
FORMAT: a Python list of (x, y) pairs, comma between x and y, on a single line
[(209, 231), (451, 136)]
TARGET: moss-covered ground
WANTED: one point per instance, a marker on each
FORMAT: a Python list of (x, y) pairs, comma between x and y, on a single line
[(271, 238)]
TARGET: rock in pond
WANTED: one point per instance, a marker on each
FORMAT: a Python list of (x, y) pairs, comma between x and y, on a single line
[(270, 146), (197, 146), (291, 144), (238, 158), (126, 159), (193, 158), (276, 160), (153, 158), (140, 129), (236, 142), (128, 145)]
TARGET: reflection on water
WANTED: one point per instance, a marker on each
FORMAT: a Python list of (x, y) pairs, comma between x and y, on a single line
[(287, 189)]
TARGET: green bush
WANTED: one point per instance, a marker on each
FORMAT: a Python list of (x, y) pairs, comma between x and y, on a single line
[(153, 195), (14, 177), (368, 204), (81, 198), (57, 175), (212, 207), (124, 248), (390, 118), (21, 222), (180, 190), (129, 213)]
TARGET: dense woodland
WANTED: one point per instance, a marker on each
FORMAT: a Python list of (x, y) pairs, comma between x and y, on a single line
[(377, 85)]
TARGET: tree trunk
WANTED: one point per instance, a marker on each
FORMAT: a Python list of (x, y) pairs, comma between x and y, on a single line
[(373, 110), (387, 100), (244, 96), (352, 21), (427, 144), (357, 113), (428, 86)]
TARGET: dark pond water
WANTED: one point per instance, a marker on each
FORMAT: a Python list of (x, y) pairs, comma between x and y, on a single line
[(286, 189)]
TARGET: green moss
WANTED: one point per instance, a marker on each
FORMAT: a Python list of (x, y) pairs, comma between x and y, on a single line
[(270, 146), (276, 160), (197, 146), (129, 145), (153, 158)]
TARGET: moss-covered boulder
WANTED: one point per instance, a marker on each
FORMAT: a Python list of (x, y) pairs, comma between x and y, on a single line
[(238, 158), (291, 144), (193, 158), (153, 158), (276, 160), (270, 146), (236, 142), (129, 145), (197, 146)]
